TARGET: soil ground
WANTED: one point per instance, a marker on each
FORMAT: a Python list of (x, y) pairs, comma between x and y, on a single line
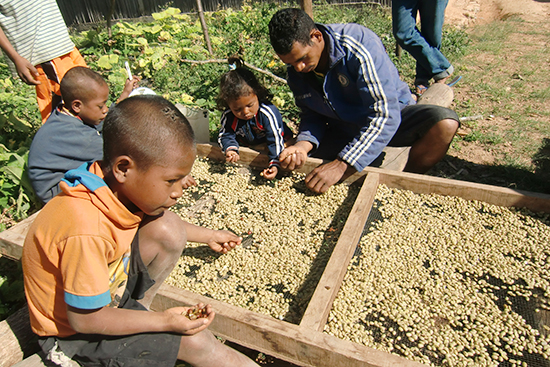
[(502, 83)]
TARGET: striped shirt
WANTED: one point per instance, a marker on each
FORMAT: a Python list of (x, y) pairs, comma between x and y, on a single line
[(35, 29)]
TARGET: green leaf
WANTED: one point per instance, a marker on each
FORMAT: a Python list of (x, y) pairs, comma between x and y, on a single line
[(155, 29), (19, 124), (107, 61), (142, 41), (157, 60)]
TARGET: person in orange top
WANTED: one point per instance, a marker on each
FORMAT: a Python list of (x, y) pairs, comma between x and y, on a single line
[(97, 253), (34, 37)]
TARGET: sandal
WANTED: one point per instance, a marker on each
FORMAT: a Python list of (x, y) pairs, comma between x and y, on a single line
[(454, 81), (420, 89)]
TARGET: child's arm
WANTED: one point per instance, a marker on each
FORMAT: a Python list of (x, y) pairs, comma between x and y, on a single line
[(231, 156), (188, 181), (119, 321), (227, 139), (218, 240), (129, 86), (271, 172)]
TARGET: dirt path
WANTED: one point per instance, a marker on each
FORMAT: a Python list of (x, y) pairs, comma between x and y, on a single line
[(468, 12)]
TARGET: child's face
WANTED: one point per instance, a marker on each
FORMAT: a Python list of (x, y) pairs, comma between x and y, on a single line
[(245, 107), (94, 109), (156, 189)]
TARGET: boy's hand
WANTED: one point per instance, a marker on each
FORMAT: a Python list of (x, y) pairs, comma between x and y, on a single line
[(223, 241), (188, 181), (129, 86), (231, 156), (184, 325), (270, 173)]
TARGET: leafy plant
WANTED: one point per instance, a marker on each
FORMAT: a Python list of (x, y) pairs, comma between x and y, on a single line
[(12, 296), (19, 119)]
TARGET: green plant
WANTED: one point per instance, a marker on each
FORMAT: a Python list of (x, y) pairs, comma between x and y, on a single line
[(19, 119), (12, 296)]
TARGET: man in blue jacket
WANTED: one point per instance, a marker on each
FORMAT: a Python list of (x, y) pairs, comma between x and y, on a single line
[(352, 102)]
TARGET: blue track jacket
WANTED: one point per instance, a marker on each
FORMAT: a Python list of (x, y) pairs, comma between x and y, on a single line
[(361, 93)]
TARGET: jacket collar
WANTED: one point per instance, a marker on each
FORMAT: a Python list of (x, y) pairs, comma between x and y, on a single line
[(335, 52)]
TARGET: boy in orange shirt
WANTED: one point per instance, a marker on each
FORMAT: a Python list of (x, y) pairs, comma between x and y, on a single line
[(108, 241)]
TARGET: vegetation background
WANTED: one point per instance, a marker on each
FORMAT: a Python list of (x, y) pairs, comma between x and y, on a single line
[(504, 62)]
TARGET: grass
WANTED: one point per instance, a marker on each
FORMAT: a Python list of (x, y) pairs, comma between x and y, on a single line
[(504, 69)]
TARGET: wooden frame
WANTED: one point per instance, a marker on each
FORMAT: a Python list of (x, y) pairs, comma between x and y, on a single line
[(305, 344)]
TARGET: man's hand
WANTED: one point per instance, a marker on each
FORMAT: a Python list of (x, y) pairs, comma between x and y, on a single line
[(295, 155), (223, 241), (326, 175), (26, 71)]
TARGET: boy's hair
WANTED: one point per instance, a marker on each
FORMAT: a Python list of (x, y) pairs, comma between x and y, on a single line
[(145, 128), (76, 82), (288, 26), (240, 82)]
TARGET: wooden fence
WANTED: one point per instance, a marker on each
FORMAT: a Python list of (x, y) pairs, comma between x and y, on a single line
[(93, 11)]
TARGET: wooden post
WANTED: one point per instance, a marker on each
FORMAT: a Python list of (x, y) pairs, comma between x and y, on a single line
[(204, 28), (110, 18), (307, 6)]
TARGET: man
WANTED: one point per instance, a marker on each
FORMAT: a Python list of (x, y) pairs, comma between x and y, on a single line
[(352, 102)]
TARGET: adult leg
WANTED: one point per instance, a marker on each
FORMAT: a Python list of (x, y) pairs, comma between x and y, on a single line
[(430, 61), (431, 148), (429, 131), (161, 242), (432, 16)]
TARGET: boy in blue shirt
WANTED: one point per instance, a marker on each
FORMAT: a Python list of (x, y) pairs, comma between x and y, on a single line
[(72, 134)]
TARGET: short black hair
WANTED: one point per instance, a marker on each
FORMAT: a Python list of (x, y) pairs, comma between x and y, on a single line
[(145, 128), (75, 84), (240, 82), (288, 26)]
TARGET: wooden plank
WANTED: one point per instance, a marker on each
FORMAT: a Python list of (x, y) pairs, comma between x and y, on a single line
[(289, 342), (33, 361), (418, 183), (37, 360), (495, 195), (439, 94), (16, 338), (392, 158), (11, 240), (316, 314)]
